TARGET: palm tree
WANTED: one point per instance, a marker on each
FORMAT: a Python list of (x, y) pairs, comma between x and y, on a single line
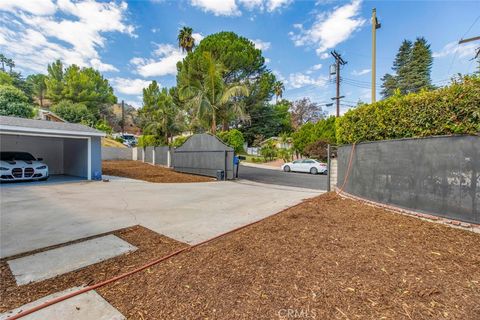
[(39, 86), (278, 89), (185, 39), (10, 63), (2, 61), (206, 96)]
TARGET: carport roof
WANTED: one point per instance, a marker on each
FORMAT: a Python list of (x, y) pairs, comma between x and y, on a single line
[(14, 124)]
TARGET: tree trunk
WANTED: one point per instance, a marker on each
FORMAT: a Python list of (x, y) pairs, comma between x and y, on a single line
[(225, 126), (214, 123)]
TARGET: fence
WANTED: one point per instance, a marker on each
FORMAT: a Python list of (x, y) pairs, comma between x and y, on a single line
[(113, 153), (162, 156), (204, 154), (435, 175)]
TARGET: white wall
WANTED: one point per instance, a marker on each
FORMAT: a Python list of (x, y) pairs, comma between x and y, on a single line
[(50, 149)]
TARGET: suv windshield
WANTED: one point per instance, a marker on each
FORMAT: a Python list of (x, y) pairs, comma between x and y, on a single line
[(22, 156)]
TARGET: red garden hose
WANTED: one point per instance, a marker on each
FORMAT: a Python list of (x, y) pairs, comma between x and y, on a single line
[(148, 265), (348, 168)]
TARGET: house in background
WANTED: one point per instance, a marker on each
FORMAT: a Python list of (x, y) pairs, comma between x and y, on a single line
[(47, 115), (279, 143)]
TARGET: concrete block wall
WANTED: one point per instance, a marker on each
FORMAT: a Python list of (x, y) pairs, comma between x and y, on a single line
[(112, 153), (333, 174)]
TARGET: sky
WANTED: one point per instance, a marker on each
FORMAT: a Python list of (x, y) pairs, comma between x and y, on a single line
[(134, 42)]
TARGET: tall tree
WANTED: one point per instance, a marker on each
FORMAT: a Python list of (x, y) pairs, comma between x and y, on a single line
[(10, 64), (278, 89), (185, 39), (420, 66), (2, 61), (304, 111), (39, 87), (412, 67), (54, 81), (208, 95)]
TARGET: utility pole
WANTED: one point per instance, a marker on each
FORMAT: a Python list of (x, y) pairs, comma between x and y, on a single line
[(470, 40), (338, 62), (375, 25), (123, 117)]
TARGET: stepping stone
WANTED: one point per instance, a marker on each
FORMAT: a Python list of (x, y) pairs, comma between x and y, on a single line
[(86, 306), (54, 262)]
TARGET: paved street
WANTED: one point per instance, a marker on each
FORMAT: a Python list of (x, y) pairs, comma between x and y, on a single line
[(301, 180)]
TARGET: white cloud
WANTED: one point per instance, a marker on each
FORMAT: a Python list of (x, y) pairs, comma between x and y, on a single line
[(330, 28), (197, 37), (267, 60), (36, 34), (361, 72), (299, 80), (262, 45), (164, 63), (218, 7), (129, 86), (37, 7), (268, 5), (324, 56), (462, 50)]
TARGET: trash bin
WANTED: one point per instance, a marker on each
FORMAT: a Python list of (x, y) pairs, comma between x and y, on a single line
[(220, 175)]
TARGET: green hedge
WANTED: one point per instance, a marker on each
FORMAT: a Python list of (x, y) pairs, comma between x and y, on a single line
[(149, 141), (450, 110)]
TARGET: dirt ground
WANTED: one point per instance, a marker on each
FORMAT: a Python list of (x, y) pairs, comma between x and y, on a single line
[(150, 244), (147, 172), (327, 258)]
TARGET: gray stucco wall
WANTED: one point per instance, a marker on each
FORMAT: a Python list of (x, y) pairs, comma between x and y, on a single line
[(435, 175), (75, 157), (112, 153), (204, 154), (161, 155), (148, 154), (96, 158)]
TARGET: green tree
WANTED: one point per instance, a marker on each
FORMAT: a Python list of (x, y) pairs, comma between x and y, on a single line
[(412, 67), (3, 59), (79, 85), (278, 89), (5, 79), (74, 112), (242, 63), (39, 87), (208, 95), (233, 138), (159, 114), (54, 81), (185, 39), (269, 150), (14, 102)]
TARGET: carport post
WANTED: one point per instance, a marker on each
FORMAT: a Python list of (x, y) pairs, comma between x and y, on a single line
[(328, 167), (89, 160), (225, 165)]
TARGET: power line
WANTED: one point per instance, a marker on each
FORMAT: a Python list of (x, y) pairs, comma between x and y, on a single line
[(338, 62)]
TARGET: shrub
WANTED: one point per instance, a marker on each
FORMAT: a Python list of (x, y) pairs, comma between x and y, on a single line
[(449, 110), (309, 133), (13, 102), (149, 140), (285, 154), (233, 138), (269, 150), (179, 141), (74, 112), (103, 126), (317, 150)]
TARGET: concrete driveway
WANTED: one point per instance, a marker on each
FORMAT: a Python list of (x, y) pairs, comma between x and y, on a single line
[(33, 217)]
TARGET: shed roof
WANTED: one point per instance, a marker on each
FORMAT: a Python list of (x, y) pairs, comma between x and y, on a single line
[(15, 124)]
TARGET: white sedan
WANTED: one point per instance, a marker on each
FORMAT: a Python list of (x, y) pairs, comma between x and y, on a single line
[(305, 165), (18, 166)]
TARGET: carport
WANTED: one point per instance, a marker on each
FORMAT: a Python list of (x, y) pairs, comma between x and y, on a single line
[(67, 148)]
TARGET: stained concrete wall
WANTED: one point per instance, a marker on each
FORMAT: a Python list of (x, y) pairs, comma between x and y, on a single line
[(435, 175), (161, 155), (112, 153)]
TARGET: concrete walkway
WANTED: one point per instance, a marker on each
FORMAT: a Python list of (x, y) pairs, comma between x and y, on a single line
[(34, 217)]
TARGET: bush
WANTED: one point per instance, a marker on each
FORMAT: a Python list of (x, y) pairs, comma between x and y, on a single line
[(309, 133), (449, 110), (233, 138), (149, 140), (269, 150), (103, 126), (74, 112), (179, 141), (13, 102), (285, 154), (317, 150)]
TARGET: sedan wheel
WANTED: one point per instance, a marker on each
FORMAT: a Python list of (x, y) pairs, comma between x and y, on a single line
[(313, 171), (286, 169)]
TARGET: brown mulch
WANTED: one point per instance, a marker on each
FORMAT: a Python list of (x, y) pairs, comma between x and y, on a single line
[(150, 245), (328, 258), (147, 172)]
